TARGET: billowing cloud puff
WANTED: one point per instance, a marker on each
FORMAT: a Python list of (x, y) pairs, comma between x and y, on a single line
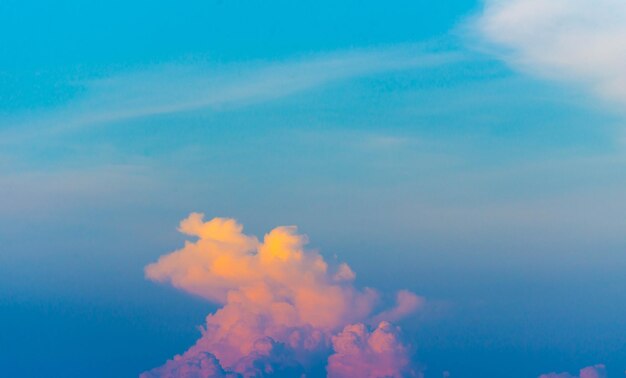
[(596, 371), (284, 309), (583, 41), (202, 365), (359, 353)]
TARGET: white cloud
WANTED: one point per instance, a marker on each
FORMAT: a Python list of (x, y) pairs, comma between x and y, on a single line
[(578, 41)]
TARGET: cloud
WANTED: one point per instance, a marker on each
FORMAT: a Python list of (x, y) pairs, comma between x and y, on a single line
[(596, 371), (178, 87), (200, 365), (284, 308), (406, 303), (360, 353), (579, 41)]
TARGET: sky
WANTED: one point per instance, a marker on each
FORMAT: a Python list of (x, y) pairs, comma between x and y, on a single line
[(455, 171)]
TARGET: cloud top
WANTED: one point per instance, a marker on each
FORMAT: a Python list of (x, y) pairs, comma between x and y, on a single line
[(285, 310)]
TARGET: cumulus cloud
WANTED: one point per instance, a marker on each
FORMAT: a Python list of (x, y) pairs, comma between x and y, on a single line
[(285, 310), (582, 41), (201, 365), (596, 371), (360, 353)]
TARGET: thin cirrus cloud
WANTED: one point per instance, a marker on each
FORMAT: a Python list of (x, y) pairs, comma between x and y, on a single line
[(178, 87), (577, 41), (285, 311)]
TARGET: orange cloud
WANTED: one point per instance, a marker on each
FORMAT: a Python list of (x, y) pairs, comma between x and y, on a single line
[(283, 306)]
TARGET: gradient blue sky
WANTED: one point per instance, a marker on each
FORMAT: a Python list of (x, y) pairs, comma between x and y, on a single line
[(392, 133)]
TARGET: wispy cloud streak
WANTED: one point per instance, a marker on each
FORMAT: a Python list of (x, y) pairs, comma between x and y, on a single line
[(179, 87)]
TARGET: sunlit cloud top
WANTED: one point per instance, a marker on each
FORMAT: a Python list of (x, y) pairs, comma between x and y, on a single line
[(285, 310)]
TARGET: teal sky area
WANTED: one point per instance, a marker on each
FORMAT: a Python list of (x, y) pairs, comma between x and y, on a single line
[(393, 134)]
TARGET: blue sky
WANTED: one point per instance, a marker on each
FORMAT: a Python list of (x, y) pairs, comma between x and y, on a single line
[(431, 145)]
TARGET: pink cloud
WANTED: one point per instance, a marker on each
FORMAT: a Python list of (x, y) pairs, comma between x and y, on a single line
[(360, 353), (406, 303), (284, 308), (596, 371), (202, 365)]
